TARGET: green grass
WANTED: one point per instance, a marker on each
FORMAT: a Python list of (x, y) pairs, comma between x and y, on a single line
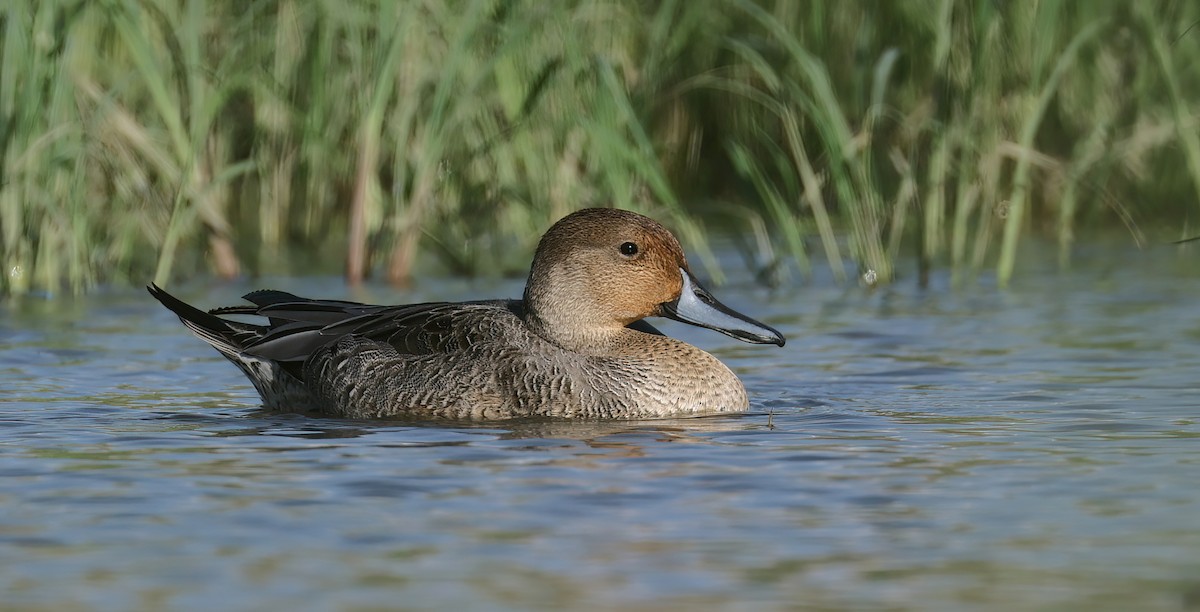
[(157, 139)]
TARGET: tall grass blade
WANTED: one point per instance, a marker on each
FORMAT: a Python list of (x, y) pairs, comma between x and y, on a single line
[(1020, 190)]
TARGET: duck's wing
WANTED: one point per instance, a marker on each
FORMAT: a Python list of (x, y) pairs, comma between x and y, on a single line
[(299, 326), (281, 307), (414, 329)]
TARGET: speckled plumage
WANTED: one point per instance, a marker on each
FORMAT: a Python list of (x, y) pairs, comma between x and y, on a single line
[(574, 347)]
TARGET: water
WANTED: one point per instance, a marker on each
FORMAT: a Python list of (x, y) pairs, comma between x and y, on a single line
[(938, 449)]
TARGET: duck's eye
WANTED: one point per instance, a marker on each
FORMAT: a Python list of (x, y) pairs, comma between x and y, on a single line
[(629, 249)]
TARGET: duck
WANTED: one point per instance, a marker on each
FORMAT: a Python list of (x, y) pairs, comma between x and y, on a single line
[(575, 346)]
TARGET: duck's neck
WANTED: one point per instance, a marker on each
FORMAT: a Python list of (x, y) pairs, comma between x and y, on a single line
[(566, 322)]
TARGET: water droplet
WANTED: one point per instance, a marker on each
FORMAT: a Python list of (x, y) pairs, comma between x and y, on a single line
[(870, 277)]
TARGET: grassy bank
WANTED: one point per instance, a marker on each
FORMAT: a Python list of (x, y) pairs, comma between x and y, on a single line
[(148, 139)]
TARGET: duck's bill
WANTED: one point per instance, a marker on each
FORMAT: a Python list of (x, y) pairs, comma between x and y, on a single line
[(697, 306)]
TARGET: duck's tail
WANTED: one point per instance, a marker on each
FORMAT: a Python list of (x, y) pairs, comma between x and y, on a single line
[(228, 337), (280, 386)]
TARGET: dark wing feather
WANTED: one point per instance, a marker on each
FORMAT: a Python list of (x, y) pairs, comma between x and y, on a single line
[(280, 306), (298, 327), (416, 329)]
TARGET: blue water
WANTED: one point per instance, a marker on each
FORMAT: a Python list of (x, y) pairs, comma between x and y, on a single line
[(949, 448)]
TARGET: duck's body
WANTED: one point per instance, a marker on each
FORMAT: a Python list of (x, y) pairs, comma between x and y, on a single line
[(575, 346)]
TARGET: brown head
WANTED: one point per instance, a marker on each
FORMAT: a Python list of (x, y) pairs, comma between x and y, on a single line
[(600, 269)]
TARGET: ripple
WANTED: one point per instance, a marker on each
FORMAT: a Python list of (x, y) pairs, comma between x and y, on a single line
[(942, 449)]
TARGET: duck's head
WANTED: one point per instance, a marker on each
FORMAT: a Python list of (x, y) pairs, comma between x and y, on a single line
[(600, 269)]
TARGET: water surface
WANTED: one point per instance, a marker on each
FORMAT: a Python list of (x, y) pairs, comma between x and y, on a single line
[(929, 449)]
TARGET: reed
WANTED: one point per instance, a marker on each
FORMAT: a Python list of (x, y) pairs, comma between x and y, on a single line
[(148, 139)]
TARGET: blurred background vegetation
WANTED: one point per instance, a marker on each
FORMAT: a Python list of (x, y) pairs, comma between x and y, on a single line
[(151, 139)]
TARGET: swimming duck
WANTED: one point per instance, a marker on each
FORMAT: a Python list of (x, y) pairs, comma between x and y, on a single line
[(575, 346)]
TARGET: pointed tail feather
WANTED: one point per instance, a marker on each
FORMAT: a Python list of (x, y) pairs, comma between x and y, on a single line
[(226, 336)]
